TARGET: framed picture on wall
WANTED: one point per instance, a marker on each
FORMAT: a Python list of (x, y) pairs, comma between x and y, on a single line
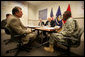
[(43, 14)]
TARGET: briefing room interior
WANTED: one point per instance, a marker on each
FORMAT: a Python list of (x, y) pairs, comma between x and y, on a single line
[(42, 28)]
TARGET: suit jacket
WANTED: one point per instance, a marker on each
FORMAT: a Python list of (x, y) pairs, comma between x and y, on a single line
[(52, 23), (46, 23), (16, 25), (40, 24)]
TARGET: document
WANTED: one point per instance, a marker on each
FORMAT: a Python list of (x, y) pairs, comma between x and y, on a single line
[(57, 27), (46, 27), (32, 26)]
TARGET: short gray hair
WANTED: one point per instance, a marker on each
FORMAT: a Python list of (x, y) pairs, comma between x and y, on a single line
[(15, 9)]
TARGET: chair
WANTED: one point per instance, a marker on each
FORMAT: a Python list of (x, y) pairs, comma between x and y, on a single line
[(72, 41), (17, 38), (9, 32)]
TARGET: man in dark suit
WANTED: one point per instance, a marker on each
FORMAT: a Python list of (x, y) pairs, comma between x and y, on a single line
[(50, 22), (41, 23)]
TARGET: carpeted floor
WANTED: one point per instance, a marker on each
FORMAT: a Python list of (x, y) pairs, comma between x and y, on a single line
[(34, 52)]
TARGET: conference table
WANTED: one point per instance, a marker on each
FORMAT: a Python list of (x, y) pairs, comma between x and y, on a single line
[(46, 29), (43, 28)]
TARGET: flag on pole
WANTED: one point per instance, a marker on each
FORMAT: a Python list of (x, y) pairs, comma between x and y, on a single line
[(68, 9), (51, 14), (58, 14)]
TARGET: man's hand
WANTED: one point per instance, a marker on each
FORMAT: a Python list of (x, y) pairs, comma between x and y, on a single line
[(28, 31)]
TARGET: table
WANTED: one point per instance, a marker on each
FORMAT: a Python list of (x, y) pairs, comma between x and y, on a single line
[(45, 29)]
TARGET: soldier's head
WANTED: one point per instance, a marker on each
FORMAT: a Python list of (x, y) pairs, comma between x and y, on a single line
[(66, 15), (17, 11), (7, 16)]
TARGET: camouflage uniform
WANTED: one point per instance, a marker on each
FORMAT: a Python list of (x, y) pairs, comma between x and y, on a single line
[(67, 30)]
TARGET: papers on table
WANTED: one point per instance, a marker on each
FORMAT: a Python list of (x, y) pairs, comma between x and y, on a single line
[(32, 26), (46, 27), (56, 27)]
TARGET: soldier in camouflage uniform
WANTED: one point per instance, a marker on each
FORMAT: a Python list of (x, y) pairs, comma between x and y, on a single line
[(67, 30)]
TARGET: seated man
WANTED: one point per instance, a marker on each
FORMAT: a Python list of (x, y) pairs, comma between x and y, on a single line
[(16, 26), (41, 23), (67, 30), (50, 22), (4, 22)]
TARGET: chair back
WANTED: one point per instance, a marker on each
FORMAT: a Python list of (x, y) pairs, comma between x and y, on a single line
[(7, 30), (76, 26), (78, 32), (14, 36)]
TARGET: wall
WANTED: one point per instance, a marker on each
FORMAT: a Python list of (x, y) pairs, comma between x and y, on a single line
[(32, 15), (6, 7), (76, 7)]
